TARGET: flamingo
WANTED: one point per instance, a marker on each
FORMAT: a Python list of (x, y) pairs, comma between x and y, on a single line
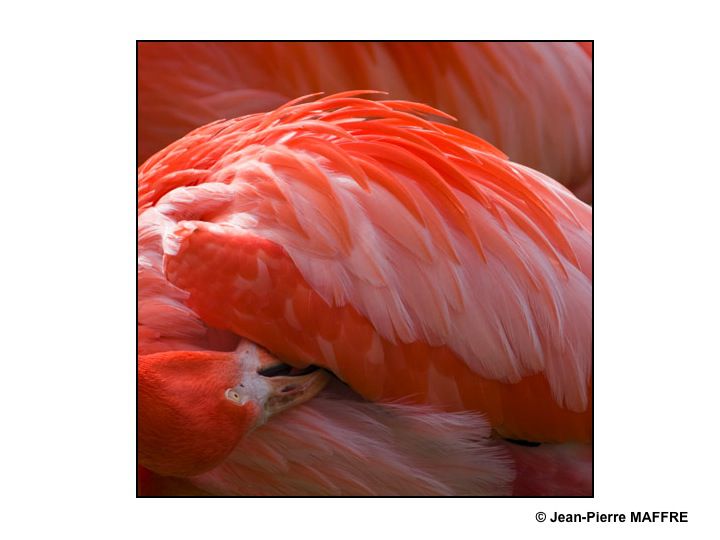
[(532, 99), (443, 290)]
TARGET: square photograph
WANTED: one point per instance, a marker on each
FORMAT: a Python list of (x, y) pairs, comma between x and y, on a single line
[(365, 269)]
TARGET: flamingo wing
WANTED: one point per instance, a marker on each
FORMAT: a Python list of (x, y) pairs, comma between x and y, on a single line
[(411, 258), (533, 100)]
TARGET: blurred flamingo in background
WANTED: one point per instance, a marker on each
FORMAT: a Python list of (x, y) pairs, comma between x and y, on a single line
[(448, 288), (532, 99)]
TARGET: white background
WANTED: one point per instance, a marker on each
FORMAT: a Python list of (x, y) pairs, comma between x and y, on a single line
[(67, 268)]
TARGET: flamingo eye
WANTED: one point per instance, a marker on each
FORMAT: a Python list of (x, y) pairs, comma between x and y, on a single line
[(232, 395)]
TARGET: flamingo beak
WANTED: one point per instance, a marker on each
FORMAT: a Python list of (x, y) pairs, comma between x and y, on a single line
[(273, 385), (288, 391)]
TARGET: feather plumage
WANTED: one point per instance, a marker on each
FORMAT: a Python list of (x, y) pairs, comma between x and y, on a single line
[(531, 99), (443, 258)]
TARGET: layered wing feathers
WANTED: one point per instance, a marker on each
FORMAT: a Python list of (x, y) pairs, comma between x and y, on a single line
[(425, 230)]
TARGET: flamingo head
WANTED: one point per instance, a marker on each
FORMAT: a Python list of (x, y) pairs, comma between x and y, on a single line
[(195, 406)]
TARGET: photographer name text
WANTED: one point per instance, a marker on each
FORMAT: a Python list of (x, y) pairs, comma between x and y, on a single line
[(633, 517)]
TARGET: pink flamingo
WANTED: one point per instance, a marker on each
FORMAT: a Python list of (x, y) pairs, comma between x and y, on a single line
[(409, 258)]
